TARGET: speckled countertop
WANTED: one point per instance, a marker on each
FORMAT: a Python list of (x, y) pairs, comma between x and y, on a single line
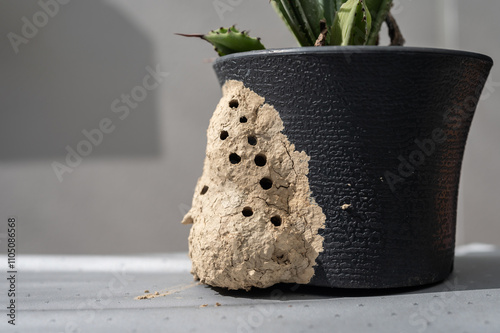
[(97, 294)]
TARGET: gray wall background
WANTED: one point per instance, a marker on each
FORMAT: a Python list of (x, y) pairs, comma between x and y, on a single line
[(129, 194)]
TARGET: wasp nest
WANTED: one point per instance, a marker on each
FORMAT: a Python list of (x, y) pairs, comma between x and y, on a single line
[(255, 223)]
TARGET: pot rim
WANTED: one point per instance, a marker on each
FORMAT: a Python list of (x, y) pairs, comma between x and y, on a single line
[(365, 49)]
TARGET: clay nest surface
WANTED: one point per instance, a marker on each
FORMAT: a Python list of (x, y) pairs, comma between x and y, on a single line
[(255, 223)]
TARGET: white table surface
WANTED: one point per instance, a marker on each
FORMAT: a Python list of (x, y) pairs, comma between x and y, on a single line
[(96, 294)]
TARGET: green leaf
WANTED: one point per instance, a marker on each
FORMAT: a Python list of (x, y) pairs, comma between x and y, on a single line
[(330, 7), (352, 24), (291, 22), (230, 40), (313, 13), (378, 10), (302, 18)]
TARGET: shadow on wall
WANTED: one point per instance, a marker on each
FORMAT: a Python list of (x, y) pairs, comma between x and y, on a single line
[(65, 68)]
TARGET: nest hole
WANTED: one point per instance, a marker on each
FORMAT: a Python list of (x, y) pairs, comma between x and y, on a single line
[(260, 160), (234, 158), (204, 190), (252, 140), (243, 119), (233, 104), (224, 135), (247, 211), (266, 183), (276, 220)]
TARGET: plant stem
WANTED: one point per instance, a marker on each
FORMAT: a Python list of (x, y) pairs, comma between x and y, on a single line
[(394, 32), (322, 35)]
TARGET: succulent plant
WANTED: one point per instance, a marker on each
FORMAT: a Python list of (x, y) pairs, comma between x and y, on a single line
[(317, 23)]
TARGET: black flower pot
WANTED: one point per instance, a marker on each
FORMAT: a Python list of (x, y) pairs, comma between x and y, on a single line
[(385, 128)]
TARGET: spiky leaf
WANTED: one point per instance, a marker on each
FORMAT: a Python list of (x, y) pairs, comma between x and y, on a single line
[(230, 40), (352, 24)]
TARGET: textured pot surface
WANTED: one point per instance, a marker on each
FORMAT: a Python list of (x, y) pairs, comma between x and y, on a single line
[(385, 128)]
